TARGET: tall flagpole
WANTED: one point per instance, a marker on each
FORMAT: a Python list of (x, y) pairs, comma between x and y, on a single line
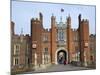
[(62, 10)]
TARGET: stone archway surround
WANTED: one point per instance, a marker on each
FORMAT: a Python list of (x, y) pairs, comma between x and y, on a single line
[(59, 49)]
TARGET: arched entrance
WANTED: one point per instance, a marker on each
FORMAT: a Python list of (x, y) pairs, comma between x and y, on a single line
[(61, 56), (61, 52)]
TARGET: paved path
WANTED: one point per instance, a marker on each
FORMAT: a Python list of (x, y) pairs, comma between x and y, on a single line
[(59, 68)]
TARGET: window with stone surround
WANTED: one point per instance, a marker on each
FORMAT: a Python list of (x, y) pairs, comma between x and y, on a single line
[(46, 55), (61, 35), (45, 37), (16, 61), (46, 50), (16, 49)]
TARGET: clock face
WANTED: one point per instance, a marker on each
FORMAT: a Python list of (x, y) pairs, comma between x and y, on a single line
[(86, 44), (34, 46)]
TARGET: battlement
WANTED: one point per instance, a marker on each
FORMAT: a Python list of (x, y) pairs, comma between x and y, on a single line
[(85, 21), (27, 35), (92, 35), (35, 20), (74, 29), (47, 30), (12, 22)]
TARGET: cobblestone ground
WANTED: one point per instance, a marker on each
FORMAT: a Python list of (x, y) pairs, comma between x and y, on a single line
[(59, 68)]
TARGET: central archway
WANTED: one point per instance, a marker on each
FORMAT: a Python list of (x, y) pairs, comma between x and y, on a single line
[(61, 56)]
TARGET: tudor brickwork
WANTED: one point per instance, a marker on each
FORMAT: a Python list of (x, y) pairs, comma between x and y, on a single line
[(44, 46)]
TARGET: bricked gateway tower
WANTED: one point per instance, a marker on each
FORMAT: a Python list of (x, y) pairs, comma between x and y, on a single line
[(59, 43)]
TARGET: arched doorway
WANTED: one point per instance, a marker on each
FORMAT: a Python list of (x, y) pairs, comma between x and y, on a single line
[(61, 56)]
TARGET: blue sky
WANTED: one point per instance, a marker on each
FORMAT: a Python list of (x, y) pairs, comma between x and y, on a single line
[(22, 12)]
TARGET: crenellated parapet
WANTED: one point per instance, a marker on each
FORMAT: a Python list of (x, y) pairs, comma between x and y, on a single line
[(35, 21), (86, 21)]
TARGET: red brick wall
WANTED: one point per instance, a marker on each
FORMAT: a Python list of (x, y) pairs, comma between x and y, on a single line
[(36, 32), (84, 33), (53, 39), (70, 43)]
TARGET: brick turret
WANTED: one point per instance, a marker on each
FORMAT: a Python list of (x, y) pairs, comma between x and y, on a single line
[(53, 38), (36, 32), (69, 39), (84, 41)]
